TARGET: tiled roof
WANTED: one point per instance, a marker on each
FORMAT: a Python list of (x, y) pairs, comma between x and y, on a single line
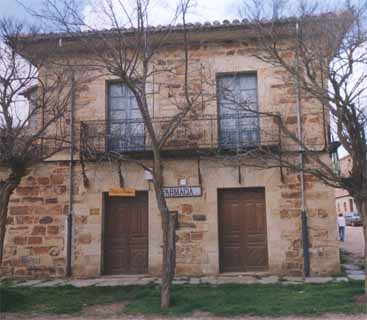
[(191, 27)]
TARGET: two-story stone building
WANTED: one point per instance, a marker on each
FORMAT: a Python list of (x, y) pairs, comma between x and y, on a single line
[(232, 217)]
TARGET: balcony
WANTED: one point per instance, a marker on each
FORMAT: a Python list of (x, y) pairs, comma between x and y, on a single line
[(205, 134)]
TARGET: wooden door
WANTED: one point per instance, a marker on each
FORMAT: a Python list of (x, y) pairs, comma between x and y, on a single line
[(242, 230), (126, 235)]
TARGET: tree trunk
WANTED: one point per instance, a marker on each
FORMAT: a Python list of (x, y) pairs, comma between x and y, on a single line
[(7, 187), (169, 260), (362, 208), (169, 236), (365, 252)]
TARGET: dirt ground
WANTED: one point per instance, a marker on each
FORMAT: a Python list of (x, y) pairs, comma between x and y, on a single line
[(195, 317), (354, 242)]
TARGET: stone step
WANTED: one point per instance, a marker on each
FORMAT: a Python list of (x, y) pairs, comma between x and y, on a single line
[(357, 277), (350, 267), (214, 280)]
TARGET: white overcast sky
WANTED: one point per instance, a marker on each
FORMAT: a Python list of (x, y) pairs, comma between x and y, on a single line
[(161, 13)]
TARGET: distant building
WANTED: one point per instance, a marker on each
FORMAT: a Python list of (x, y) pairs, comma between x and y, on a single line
[(343, 201)]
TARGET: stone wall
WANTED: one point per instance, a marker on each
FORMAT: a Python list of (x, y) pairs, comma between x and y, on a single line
[(36, 232), (35, 237)]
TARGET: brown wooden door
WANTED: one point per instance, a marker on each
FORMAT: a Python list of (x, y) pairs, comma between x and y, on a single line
[(242, 230), (126, 235)]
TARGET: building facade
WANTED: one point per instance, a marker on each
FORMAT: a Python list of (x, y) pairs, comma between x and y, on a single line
[(232, 216), (343, 201)]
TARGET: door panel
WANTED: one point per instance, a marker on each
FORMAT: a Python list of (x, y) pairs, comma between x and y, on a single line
[(126, 235), (242, 230), (231, 234)]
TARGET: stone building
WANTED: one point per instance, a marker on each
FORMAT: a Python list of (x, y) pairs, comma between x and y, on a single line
[(343, 201), (232, 217)]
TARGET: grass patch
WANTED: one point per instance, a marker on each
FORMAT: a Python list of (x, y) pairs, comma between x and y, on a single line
[(61, 300), (225, 300)]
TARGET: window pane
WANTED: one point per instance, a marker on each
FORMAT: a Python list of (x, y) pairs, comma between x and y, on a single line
[(119, 115), (248, 99), (227, 88), (117, 90), (116, 104), (227, 83), (248, 122), (248, 81), (118, 129), (135, 113), (228, 108)]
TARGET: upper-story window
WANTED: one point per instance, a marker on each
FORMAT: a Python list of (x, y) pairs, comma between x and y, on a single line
[(126, 126), (238, 106)]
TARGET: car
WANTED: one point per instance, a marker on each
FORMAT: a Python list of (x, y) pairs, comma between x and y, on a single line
[(353, 219)]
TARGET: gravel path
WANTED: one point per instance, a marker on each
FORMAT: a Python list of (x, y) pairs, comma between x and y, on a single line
[(354, 242)]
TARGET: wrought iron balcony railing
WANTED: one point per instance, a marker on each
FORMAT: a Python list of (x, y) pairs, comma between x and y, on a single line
[(200, 133)]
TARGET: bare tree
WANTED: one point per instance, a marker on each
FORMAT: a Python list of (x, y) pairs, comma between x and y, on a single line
[(34, 130), (325, 57), (130, 52)]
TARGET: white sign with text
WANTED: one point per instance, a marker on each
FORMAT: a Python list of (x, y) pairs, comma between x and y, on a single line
[(182, 192)]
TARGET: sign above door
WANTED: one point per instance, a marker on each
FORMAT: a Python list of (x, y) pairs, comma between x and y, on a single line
[(182, 192), (121, 192)]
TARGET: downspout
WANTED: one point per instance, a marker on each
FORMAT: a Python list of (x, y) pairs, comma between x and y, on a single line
[(326, 130), (305, 240), (69, 219)]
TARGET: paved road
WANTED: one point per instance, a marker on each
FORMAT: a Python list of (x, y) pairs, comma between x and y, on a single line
[(354, 242)]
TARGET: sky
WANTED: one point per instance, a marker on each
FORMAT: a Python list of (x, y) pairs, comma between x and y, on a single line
[(11, 8), (162, 10)]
